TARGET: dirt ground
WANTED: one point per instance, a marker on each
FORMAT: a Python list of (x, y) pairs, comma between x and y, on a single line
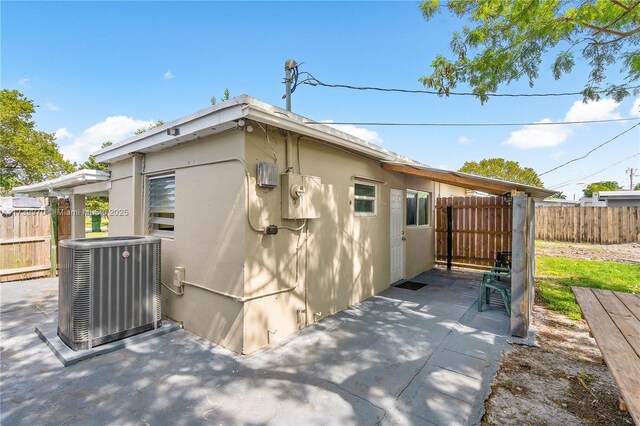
[(562, 382), (626, 253)]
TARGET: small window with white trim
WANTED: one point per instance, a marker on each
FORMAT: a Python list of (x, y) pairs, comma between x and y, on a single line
[(162, 205), (418, 208), (365, 199)]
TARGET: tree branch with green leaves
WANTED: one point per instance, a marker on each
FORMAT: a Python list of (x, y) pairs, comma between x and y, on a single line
[(505, 41)]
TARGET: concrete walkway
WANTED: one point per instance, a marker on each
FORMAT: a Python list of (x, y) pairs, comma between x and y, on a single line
[(402, 357)]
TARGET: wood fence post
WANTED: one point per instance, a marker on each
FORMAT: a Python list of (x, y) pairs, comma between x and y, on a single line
[(53, 205), (449, 236)]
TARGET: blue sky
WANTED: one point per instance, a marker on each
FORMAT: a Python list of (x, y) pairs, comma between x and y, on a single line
[(101, 70)]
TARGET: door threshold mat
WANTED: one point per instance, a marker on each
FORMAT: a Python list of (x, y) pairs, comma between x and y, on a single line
[(48, 332), (412, 285)]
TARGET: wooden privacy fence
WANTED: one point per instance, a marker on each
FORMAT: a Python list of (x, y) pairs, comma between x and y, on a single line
[(25, 241), (481, 227), (599, 225)]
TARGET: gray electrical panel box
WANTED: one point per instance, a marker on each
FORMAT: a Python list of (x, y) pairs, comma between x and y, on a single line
[(301, 196), (268, 174)]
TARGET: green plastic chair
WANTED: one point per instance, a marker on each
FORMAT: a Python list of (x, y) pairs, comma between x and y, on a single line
[(491, 281)]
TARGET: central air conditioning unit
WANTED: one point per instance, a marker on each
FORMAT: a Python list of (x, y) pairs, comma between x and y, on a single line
[(109, 289)]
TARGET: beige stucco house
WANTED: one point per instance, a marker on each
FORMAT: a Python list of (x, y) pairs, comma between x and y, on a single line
[(269, 221)]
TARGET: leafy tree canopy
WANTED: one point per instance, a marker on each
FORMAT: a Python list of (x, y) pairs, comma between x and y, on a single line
[(26, 154), (225, 97), (505, 40), (559, 196), (499, 168), (91, 162), (608, 185), (636, 187), (93, 203), (152, 126)]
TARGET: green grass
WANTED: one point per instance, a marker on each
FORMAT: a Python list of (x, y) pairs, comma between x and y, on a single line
[(556, 275), (96, 234)]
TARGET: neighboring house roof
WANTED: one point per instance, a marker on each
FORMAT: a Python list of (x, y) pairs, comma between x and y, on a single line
[(64, 184), (560, 201), (618, 195)]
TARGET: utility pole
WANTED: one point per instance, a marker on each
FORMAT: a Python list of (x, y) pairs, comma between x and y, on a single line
[(631, 172), (288, 67)]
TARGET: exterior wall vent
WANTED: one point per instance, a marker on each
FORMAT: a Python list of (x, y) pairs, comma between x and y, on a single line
[(268, 174), (109, 289)]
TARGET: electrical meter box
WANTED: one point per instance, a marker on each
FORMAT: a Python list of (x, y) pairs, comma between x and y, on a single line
[(301, 196)]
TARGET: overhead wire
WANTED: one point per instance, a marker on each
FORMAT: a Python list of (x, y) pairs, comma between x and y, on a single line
[(544, 123), (590, 151), (569, 182), (311, 80)]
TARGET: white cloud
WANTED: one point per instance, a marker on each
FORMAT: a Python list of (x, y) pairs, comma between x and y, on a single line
[(557, 155), (598, 110), (167, 75), (52, 107), (24, 82), (635, 109), (359, 132), (539, 136), (63, 133), (552, 135), (113, 129), (463, 140)]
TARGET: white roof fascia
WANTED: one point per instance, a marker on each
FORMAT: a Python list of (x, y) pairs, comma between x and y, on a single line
[(203, 123), (321, 133), (98, 188), (191, 127), (77, 178)]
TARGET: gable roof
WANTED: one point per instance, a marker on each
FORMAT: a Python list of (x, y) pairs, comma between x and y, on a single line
[(224, 116)]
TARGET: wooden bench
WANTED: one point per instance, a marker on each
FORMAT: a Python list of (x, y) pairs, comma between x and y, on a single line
[(614, 320)]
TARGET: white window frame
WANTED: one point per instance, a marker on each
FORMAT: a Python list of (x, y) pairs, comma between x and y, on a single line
[(365, 197), (150, 230), (429, 208)]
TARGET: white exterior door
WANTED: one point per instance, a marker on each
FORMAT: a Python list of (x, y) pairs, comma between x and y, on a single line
[(397, 235)]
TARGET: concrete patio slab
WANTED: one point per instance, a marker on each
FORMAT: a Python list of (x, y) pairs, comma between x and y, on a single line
[(401, 357), (48, 332)]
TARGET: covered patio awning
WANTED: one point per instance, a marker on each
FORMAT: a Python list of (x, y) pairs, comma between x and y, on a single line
[(85, 181), (465, 180)]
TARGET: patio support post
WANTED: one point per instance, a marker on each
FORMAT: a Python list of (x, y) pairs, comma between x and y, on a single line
[(137, 201), (531, 252), (53, 251), (77, 216), (519, 269)]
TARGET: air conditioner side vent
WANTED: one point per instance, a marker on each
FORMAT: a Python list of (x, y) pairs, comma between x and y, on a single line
[(109, 289)]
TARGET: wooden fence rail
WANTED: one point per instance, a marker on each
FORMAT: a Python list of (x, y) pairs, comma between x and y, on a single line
[(25, 237), (25, 241), (598, 225), (481, 227)]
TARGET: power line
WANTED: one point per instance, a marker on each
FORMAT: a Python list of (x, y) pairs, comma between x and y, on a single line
[(382, 123), (313, 81), (569, 182), (587, 154)]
